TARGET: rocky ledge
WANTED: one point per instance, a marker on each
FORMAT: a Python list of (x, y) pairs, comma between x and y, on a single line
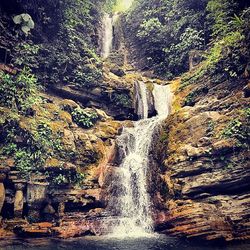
[(205, 166)]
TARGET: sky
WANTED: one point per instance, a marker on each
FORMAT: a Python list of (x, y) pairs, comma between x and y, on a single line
[(123, 5)]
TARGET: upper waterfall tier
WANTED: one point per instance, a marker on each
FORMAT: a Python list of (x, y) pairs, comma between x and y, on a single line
[(108, 34), (161, 100), (107, 39)]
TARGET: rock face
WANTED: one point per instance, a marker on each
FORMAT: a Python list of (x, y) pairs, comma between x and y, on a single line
[(206, 165), (39, 204)]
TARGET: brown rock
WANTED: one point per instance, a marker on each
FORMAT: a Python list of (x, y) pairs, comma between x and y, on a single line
[(2, 195), (69, 140), (49, 210), (18, 204)]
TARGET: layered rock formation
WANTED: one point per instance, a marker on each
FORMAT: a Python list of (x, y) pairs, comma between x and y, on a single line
[(29, 198), (204, 148)]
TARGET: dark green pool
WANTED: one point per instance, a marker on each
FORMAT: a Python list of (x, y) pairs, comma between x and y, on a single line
[(102, 243)]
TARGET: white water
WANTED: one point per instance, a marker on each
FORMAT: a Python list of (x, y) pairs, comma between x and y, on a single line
[(161, 94), (133, 201), (141, 96), (107, 38)]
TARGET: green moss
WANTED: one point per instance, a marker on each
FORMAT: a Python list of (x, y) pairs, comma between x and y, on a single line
[(239, 128), (190, 99), (150, 87)]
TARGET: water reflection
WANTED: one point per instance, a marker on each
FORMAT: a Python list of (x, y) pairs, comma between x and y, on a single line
[(102, 243)]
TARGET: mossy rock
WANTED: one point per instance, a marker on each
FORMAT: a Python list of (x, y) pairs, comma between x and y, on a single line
[(58, 126), (52, 162), (65, 116), (68, 105), (7, 115)]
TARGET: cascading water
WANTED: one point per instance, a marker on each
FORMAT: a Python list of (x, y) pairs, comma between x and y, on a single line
[(107, 38), (132, 201), (141, 99)]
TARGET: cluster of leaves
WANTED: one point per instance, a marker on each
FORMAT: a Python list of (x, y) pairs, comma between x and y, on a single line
[(29, 149), (83, 118), (65, 178), (166, 31), (191, 97), (239, 129), (71, 58), (18, 92), (122, 100), (228, 55), (26, 53)]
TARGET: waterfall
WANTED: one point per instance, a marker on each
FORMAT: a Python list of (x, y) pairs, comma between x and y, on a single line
[(131, 199), (161, 94), (107, 38), (141, 99)]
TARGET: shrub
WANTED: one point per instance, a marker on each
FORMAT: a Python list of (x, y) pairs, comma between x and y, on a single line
[(83, 118), (122, 100), (18, 92), (239, 128)]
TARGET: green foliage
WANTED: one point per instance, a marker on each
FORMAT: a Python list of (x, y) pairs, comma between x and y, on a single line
[(228, 55), (30, 149), (177, 54), (60, 179), (247, 113), (239, 128), (9, 148), (233, 128), (18, 92), (220, 14), (65, 178), (192, 96), (165, 31), (24, 162), (72, 58), (26, 54), (122, 100), (83, 118), (109, 6)]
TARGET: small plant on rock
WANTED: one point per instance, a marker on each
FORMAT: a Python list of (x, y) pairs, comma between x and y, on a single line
[(83, 118)]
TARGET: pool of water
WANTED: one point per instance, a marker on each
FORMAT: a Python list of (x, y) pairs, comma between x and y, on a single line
[(102, 243)]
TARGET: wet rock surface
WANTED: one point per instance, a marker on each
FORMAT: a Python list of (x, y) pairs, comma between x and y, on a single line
[(206, 168)]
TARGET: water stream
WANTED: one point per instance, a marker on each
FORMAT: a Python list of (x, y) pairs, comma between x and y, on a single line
[(107, 35), (132, 201)]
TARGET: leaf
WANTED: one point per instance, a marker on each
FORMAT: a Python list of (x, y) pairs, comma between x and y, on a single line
[(17, 19), (26, 17), (25, 29), (31, 24)]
